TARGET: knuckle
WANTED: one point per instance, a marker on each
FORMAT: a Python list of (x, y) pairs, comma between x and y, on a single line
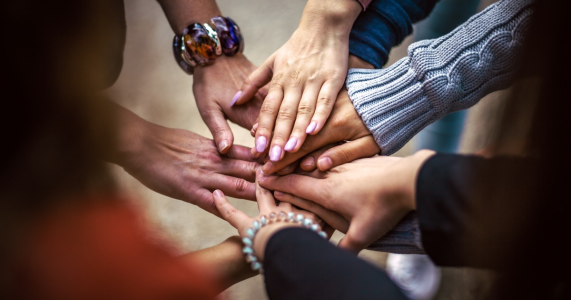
[(343, 155), (286, 113), (324, 101), (241, 185), (268, 108), (304, 109)]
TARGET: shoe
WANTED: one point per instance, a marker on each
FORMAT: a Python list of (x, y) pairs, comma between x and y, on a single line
[(415, 274)]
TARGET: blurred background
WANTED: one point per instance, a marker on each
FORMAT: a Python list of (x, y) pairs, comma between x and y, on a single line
[(153, 86)]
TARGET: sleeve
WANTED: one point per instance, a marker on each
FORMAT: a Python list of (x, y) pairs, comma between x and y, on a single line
[(441, 76), (301, 265), (467, 207), (384, 24)]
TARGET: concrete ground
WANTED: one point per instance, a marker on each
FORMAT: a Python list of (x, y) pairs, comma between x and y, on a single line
[(154, 87)]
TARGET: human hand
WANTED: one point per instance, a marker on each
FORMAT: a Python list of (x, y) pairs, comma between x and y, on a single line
[(214, 86), (343, 125), (373, 193), (306, 75), (266, 205), (182, 164)]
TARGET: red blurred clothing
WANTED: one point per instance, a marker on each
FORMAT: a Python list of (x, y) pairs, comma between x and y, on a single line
[(102, 251)]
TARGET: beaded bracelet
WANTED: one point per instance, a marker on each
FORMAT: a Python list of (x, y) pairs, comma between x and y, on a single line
[(251, 232), (200, 44)]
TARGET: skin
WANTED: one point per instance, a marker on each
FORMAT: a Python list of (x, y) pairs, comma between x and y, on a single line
[(305, 76), (373, 194), (181, 164), (215, 85)]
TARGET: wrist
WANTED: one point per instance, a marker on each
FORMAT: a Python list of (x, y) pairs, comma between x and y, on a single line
[(130, 139), (335, 16), (264, 235)]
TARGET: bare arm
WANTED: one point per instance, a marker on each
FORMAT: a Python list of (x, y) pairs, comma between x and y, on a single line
[(181, 13)]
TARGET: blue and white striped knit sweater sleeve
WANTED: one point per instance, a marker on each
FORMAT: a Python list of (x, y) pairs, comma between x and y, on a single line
[(441, 76)]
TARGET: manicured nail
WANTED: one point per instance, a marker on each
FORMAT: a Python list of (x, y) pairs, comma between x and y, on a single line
[(309, 161), (324, 163), (218, 193), (278, 193), (276, 153), (223, 145), (290, 144), (261, 144), (311, 127), (236, 97)]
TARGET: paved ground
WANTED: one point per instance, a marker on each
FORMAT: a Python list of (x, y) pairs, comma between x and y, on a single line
[(152, 86)]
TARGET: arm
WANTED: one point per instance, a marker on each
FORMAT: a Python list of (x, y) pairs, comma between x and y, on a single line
[(215, 85), (384, 24), (468, 206), (441, 76), (225, 262)]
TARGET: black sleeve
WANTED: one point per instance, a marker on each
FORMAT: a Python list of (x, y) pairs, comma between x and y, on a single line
[(469, 207), (301, 265)]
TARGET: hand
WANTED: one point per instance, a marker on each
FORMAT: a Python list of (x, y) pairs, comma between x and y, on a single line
[(306, 75), (373, 193), (343, 125), (214, 86), (266, 205), (181, 164)]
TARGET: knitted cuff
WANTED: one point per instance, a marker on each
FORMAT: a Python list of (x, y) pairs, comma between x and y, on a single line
[(441, 76), (405, 238)]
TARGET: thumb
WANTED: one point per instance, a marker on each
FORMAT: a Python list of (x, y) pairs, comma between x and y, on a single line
[(220, 130), (236, 218), (256, 81), (360, 235), (348, 152)]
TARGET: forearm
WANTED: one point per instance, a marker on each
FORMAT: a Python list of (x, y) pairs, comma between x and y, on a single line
[(181, 13), (441, 76), (225, 262)]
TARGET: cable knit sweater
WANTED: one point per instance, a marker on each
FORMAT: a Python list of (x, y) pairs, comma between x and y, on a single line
[(441, 76)]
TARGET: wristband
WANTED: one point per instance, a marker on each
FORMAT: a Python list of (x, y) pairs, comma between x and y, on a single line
[(200, 44), (251, 232)]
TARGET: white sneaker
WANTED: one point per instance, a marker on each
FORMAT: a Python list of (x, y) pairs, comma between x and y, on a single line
[(415, 274)]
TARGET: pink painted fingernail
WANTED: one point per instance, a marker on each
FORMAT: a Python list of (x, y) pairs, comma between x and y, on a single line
[(324, 163), (276, 153), (290, 144), (311, 127), (261, 144), (236, 97)]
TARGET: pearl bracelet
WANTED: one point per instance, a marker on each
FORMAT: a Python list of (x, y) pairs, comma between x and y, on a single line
[(251, 232)]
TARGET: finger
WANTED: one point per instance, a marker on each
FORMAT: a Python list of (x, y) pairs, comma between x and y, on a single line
[(216, 122), (232, 186), (265, 199), (288, 169), (309, 162), (236, 218), (284, 122), (365, 229), (284, 206), (203, 199), (238, 168), (305, 111), (254, 129), (267, 117), (302, 186), (241, 153), (348, 152), (325, 102), (307, 214), (330, 217), (254, 82)]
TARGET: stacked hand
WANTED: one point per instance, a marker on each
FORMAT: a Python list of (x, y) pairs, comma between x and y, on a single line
[(373, 194)]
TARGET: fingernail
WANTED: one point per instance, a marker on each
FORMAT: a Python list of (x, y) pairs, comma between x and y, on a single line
[(309, 161), (223, 145), (290, 144), (276, 153), (278, 193), (255, 127), (311, 127), (236, 97), (261, 144), (324, 163), (218, 193)]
